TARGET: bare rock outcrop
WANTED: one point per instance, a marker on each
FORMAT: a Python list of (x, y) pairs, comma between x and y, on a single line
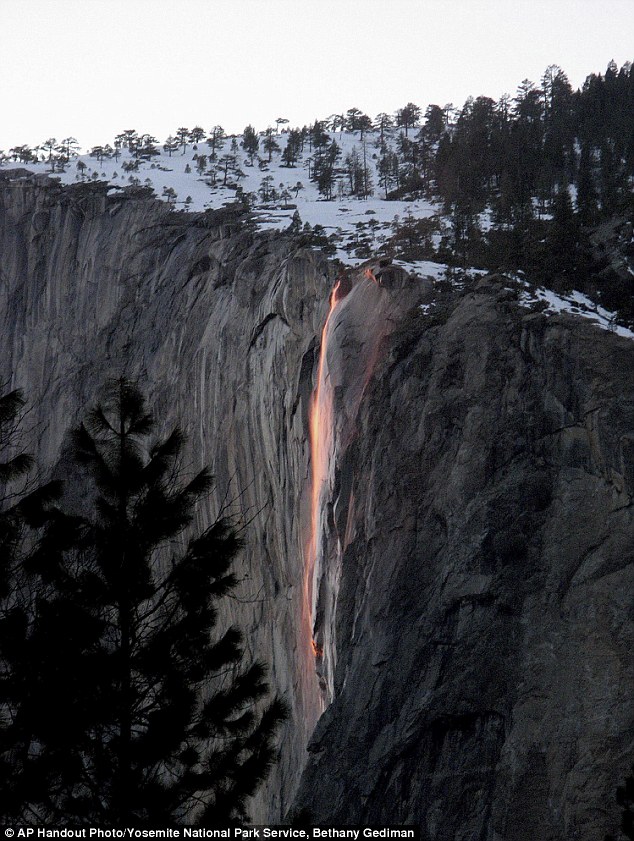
[(484, 670)]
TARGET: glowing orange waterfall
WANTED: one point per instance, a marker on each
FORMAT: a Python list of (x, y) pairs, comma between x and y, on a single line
[(347, 366), (321, 430)]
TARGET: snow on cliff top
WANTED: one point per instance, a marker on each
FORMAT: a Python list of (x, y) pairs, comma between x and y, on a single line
[(343, 214), (178, 179), (575, 303)]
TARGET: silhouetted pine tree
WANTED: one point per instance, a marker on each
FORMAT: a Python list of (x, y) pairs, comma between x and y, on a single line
[(250, 142), (563, 240), (139, 710), (22, 512), (587, 204), (13, 466)]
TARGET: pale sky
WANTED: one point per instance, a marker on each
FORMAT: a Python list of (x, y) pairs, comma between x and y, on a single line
[(91, 68)]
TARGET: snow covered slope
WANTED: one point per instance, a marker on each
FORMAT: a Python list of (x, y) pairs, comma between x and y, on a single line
[(353, 227), (275, 191)]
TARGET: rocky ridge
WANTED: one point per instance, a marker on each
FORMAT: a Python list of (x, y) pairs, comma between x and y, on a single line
[(473, 608)]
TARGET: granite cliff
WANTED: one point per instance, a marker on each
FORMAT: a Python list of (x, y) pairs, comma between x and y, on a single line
[(454, 638)]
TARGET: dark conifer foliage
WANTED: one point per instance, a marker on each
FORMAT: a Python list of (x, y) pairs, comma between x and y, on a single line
[(250, 142), (563, 238), (23, 510), (23, 504), (546, 138), (547, 166), (135, 708), (13, 467)]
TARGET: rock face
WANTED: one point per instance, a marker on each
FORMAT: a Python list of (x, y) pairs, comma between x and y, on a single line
[(471, 586), (218, 326), (483, 623)]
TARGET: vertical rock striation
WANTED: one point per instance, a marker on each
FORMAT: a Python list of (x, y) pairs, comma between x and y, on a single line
[(481, 594), (218, 325), (472, 605)]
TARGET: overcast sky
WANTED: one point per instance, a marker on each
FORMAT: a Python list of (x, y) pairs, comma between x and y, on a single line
[(91, 68)]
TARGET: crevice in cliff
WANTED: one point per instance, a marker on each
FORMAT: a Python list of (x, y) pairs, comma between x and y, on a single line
[(263, 324)]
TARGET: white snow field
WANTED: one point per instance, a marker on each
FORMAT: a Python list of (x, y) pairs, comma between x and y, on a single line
[(278, 192), (346, 216)]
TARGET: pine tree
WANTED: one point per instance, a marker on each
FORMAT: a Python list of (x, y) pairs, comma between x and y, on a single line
[(587, 204), (318, 135), (24, 154), (434, 123), (226, 163), (387, 168), (49, 146), (324, 170), (128, 139), (270, 143), (147, 148), (70, 147), (22, 510), (383, 122), (196, 134), (250, 142), (563, 240), (171, 195), (216, 141), (292, 148), (182, 135), (138, 709), (354, 172), (408, 116), (14, 466)]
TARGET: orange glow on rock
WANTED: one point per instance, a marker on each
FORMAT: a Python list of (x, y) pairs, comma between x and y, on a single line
[(351, 341), (320, 432)]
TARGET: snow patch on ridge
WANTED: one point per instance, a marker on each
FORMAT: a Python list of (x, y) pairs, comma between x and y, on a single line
[(574, 303)]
